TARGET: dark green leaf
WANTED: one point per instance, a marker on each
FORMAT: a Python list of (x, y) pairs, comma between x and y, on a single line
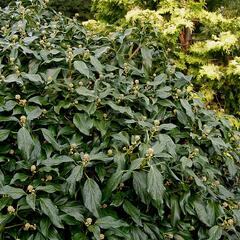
[(92, 196), (25, 142), (51, 211)]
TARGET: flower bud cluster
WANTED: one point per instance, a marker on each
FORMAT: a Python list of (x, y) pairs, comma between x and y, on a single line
[(73, 148), (150, 153), (69, 54), (11, 210), (30, 189), (85, 159), (23, 120), (88, 222), (33, 169), (29, 226)]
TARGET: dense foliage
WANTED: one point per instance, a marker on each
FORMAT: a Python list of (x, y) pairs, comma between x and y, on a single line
[(100, 138), (199, 42)]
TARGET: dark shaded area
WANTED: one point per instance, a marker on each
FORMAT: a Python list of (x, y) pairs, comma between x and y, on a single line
[(70, 7), (67, 7)]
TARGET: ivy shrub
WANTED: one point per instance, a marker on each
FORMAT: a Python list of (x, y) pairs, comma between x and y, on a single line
[(101, 139)]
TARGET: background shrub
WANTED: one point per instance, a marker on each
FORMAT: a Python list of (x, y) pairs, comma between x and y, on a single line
[(198, 42), (101, 138)]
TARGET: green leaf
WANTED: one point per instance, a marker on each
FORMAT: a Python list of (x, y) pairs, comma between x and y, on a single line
[(73, 211), (19, 176), (167, 127), (57, 161), (215, 233), (83, 123), (140, 186), (96, 63), (110, 222), (33, 112), (135, 213), (31, 200), (147, 56), (122, 137), (175, 211), (25, 142), (82, 68), (52, 74), (14, 193), (92, 196), (49, 138), (82, 91), (188, 108), (36, 78), (74, 177), (155, 184), (48, 188), (13, 78), (112, 184), (51, 211), (201, 212), (4, 201), (4, 133)]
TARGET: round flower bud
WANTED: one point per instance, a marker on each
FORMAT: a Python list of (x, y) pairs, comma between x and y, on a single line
[(230, 221), (136, 81), (70, 85), (150, 152), (137, 138), (86, 157), (156, 122), (89, 221), (110, 152), (17, 97), (23, 119), (49, 178), (33, 168)]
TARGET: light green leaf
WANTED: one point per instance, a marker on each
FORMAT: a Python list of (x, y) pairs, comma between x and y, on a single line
[(96, 63), (83, 123), (155, 184), (82, 91), (25, 142), (13, 78), (167, 126), (51, 211), (215, 233), (33, 113), (36, 78), (92, 196), (147, 56), (122, 137), (188, 108), (82, 68), (13, 192)]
